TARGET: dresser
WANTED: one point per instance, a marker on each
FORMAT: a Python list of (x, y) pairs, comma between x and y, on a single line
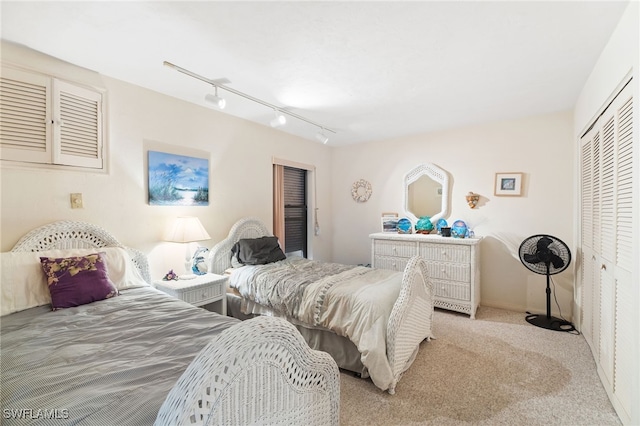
[(453, 264)]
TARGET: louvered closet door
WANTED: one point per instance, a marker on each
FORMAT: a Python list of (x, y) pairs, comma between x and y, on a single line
[(607, 248), (587, 232), (25, 121), (77, 125), (607, 237), (625, 366)]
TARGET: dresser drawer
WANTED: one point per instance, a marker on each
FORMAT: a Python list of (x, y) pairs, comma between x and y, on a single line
[(391, 263), (445, 252), (394, 248), (199, 291), (452, 290), (449, 271), (203, 295)]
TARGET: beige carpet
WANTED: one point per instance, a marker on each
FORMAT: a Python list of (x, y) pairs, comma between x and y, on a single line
[(495, 370)]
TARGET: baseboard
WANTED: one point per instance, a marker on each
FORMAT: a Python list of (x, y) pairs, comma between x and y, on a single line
[(517, 308)]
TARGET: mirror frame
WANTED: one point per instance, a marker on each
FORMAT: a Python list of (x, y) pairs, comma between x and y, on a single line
[(437, 174)]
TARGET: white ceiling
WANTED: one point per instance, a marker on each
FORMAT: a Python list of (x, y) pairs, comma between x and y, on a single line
[(368, 70)]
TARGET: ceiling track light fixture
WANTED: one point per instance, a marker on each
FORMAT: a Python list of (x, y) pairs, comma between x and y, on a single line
[(215, 99), (220, 102), (321, 136), (278, 120)]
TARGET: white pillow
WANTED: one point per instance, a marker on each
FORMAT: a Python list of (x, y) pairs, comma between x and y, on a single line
[(23, 284)]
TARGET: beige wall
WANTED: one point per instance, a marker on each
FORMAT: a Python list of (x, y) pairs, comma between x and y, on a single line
[(240, 154), (540, 147)]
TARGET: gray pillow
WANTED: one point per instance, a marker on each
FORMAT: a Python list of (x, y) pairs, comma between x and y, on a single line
[(257, 251)]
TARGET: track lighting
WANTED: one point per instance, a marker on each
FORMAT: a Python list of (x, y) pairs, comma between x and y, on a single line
[(215, 99), (278, 120), (322, 137)]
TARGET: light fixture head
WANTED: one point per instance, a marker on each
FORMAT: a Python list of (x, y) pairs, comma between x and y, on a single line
[(215, 99), (322, 137), (278, 120)]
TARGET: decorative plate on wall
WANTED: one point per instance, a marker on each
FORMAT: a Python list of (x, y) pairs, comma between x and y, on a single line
[(361, 191)]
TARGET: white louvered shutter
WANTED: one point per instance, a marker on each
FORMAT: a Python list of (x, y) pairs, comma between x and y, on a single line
[(25, 118), (77, 125), (47, 121)]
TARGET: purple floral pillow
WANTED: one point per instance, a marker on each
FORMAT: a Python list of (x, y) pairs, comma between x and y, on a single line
[(75, 281)]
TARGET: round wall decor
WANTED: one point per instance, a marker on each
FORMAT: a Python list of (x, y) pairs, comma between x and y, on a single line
[(361, 191)]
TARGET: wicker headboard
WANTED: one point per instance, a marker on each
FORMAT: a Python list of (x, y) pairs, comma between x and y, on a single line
[(220, 254), (67, 234)]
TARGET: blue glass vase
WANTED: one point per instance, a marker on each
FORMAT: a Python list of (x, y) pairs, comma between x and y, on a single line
[(459, 229)]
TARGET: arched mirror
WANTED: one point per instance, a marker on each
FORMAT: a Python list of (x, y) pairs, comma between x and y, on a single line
[(426, 192)]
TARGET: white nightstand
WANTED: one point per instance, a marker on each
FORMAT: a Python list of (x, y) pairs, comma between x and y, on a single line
[(199, 291)]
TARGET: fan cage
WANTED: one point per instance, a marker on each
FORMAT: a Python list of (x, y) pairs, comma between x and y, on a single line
[(557, 247)]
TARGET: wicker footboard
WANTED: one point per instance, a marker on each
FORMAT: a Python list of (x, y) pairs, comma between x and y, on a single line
[(411, 318), (259, 371)]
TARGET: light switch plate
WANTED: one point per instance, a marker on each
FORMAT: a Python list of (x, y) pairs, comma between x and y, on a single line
[(76, 200)]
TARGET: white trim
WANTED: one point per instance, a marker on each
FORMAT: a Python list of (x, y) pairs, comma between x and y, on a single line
[(294, 164)]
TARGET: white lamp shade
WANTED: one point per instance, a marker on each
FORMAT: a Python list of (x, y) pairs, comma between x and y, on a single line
[(186, 229)]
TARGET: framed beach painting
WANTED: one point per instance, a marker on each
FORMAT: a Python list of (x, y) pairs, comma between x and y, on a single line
[(508, 184), (178, 180)]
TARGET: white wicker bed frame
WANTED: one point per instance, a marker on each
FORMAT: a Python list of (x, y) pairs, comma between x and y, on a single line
[(256, 372), (410, 321)]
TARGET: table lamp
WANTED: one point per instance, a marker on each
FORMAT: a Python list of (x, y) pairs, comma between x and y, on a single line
[(186, 229)]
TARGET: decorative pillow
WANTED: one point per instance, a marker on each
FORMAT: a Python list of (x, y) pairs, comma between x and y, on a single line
[(257, 251), (75, 281), (23, 285)]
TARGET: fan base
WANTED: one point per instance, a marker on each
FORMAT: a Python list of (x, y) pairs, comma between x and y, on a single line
[(549, 322)]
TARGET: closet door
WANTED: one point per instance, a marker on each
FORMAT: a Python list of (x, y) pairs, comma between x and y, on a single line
[(608, 182), (626, 329)]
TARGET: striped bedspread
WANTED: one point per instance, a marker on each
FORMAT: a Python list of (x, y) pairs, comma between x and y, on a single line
[(106, 363)]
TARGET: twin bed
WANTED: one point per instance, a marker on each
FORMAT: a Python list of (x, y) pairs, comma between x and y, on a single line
[(143, 357), (371, 321)]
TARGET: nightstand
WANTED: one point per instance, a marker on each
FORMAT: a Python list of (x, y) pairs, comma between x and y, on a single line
[(199, 291)]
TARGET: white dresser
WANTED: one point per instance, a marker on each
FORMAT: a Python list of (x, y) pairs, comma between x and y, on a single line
[(454, 265)]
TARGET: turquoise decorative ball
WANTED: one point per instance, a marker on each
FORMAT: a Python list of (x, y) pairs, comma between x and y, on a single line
[(424, 225)]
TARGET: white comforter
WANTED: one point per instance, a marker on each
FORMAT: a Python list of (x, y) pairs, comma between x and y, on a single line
[(352, 301)]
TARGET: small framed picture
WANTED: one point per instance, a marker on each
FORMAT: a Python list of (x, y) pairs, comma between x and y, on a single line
[(508, 184), (390, 222)]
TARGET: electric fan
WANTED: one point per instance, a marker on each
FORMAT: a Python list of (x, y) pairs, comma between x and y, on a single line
[(546, 255)]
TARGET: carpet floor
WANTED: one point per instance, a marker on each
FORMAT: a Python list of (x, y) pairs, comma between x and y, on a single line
[(494, 370)]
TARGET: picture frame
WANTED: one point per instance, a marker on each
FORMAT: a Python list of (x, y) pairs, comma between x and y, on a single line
[(389, 222), (177, 180), (508, 184)]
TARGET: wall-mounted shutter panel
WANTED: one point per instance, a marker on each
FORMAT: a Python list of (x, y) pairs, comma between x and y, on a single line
[(77, 120), (48, 121), (25, 120)]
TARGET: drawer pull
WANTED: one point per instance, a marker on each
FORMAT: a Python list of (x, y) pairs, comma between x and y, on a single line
[(603, 267)]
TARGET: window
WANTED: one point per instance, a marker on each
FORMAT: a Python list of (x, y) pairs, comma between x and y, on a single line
[(295, 210), (48, 121), (290, 205)]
